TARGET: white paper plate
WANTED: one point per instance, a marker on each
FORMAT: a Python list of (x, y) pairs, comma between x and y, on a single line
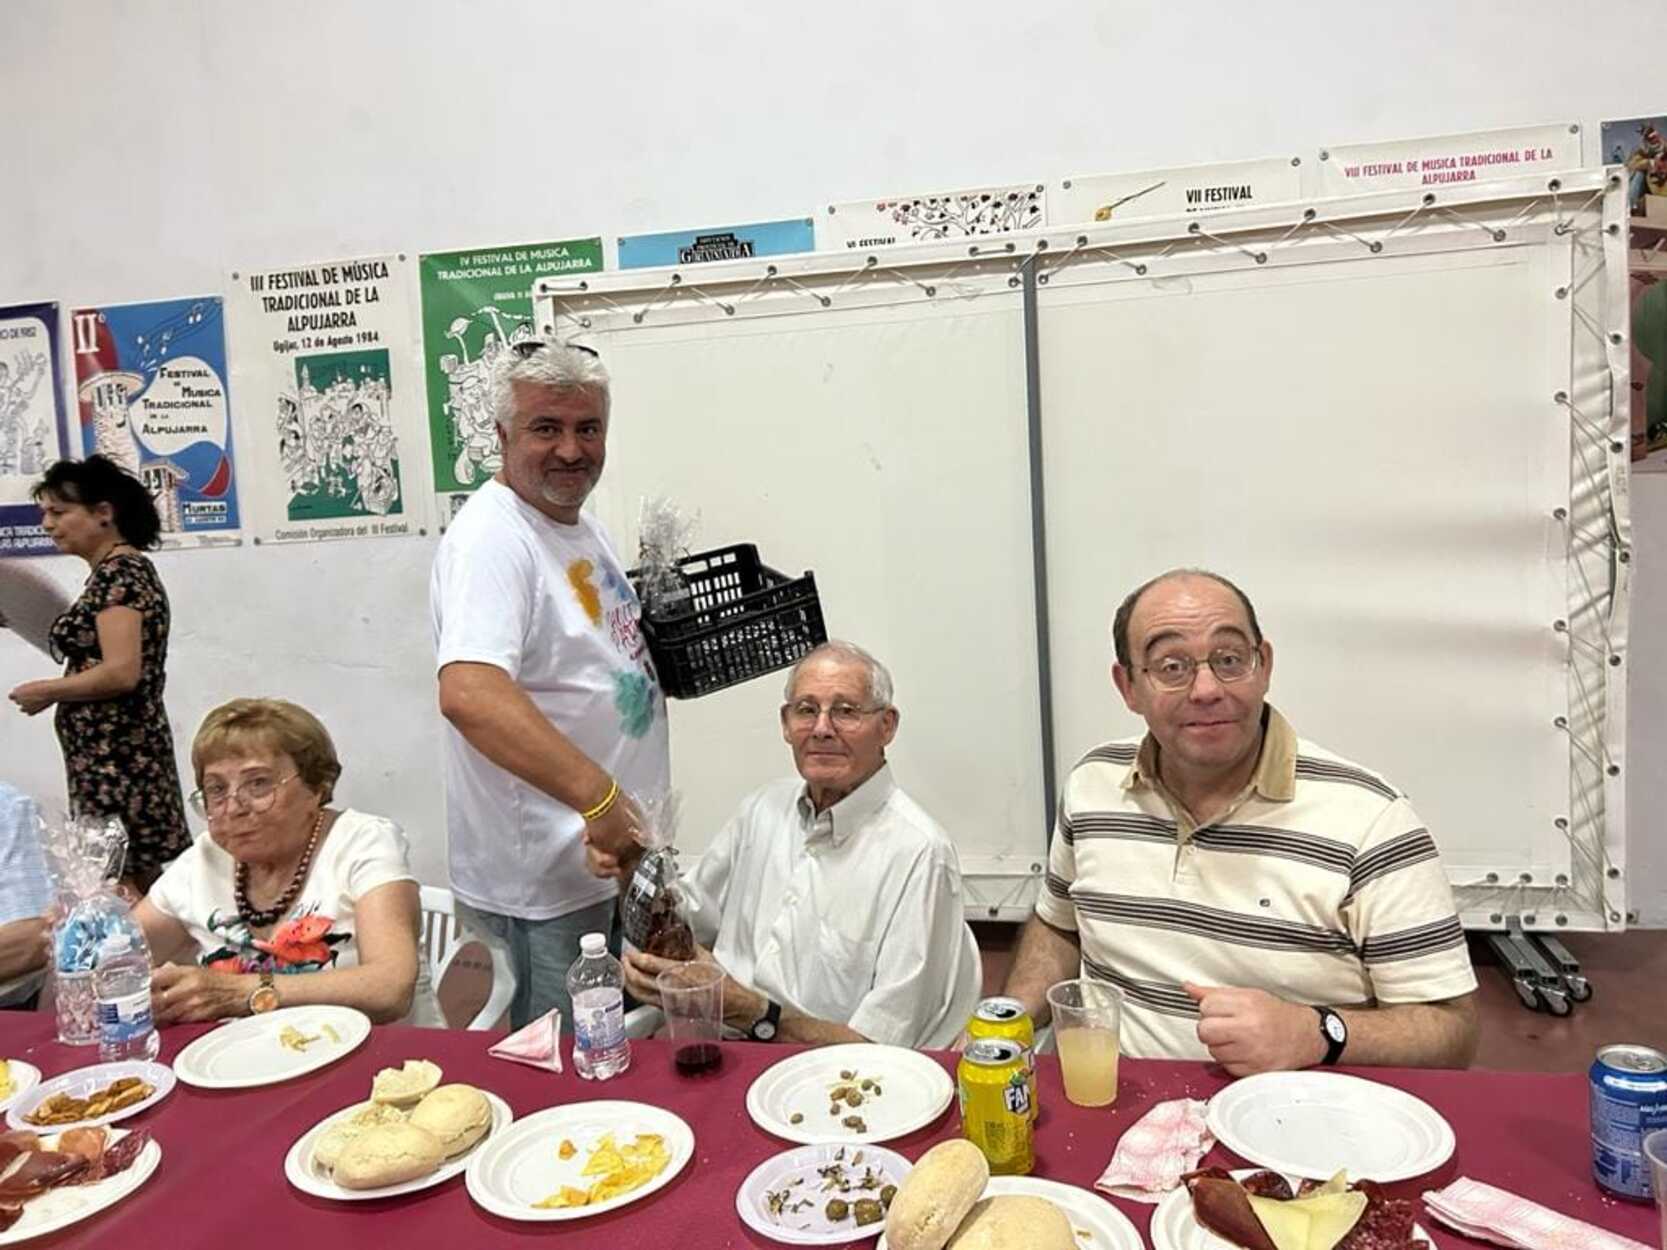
[(1313, 1124), (810, 1227), (25, 1076), (309, 1178), (70, 1204), (82, 1082), (1175, 1227), (914, 1092), (1097, 1224), (247, 1052), (520, 1167)]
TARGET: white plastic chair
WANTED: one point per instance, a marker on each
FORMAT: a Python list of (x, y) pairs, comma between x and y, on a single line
[(444, 936)]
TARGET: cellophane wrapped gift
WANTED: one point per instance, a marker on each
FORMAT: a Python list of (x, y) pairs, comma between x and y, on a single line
[(656, 911), (84, 857), (664, 533)]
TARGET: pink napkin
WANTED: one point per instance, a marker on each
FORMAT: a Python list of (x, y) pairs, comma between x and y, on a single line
[(1156, 1150), (1497, 1215), (538, 1044)]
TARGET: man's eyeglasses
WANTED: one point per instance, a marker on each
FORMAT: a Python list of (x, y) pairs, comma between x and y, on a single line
[(804, 714), (1229, 664), (257, 794), (528, 347)]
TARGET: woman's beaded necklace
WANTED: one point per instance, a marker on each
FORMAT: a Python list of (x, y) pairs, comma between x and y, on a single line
[(270, 915)]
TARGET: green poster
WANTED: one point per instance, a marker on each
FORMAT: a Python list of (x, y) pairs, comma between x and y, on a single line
[(475, 303), (337, 437)]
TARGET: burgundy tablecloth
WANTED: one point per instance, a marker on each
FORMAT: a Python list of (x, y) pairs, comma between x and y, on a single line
[(221, 1181)]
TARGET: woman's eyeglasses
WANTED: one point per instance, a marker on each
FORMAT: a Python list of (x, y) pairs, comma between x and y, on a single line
[(257, 794)]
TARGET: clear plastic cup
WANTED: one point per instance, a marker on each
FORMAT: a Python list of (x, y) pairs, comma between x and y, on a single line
[(1655, 1151), (1086, 1018), (692, 996)]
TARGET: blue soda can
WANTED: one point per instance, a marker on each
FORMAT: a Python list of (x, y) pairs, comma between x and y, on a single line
[(1629, 1101)]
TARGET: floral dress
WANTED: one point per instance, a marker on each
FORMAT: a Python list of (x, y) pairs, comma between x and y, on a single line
[(119, 753)]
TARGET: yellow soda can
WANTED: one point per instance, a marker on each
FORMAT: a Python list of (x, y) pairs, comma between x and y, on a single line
[(1007, 1017), (994, 1085)]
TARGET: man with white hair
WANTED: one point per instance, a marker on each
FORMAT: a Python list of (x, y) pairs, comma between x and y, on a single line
[(553, 710), (832, 900)]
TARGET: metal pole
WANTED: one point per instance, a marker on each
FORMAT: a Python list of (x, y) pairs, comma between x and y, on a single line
[(1039, 546)]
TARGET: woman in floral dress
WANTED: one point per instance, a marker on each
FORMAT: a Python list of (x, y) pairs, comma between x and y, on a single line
[(113, 640)]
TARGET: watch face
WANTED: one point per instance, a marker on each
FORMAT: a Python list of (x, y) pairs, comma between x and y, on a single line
[(764, 1030), (1335, 1029), (263, 999)]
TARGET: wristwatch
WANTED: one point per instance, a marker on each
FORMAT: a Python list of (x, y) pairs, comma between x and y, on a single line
[(764, 1028), (1336, 1034), (264, 997)]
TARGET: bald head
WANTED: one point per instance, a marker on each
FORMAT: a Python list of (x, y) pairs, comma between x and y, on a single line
[(1126, 610)]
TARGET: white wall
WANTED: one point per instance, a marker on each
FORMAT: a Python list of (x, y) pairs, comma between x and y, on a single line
[(1647, 713), (154, 145)]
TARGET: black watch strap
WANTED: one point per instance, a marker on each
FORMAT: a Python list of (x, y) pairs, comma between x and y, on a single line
[(764, 1028), (1335, 1030)]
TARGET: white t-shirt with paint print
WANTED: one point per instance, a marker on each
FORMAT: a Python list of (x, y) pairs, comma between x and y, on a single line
[(550, 605)]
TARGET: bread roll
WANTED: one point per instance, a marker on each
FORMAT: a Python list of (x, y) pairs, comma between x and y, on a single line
[(1014, 1222), (936, 1195), (331, 1142), (458, 1115), (403, 1086), (387, 1154)]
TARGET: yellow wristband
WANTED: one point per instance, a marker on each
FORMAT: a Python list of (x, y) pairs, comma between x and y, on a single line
[(602, 808)]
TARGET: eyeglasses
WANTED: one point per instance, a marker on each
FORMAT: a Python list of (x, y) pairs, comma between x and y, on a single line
[(257, 794), (1229, 664), (804, 714), (528, 347)]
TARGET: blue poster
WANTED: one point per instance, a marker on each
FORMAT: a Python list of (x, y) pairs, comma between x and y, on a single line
[(33, 429), (153, 396), (695, 247)]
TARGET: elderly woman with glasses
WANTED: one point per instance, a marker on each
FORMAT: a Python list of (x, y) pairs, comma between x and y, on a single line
[(286, 901)]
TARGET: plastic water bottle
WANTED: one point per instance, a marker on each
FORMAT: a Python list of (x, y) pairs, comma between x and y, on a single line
[(121, 986), (596, 983)]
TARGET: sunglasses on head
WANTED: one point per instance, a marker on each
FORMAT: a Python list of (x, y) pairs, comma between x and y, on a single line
[(526, 347)]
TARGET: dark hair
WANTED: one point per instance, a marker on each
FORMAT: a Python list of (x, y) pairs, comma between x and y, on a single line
[(98, 479), (1125, 610)]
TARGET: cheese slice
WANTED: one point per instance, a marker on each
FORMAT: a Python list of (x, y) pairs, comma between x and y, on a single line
[(1317, 1222)]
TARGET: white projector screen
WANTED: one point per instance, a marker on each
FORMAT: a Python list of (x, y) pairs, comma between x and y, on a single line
[(1369, 449), (883, 449)]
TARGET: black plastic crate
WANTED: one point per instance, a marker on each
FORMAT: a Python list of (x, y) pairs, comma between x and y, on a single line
[(743, 620)]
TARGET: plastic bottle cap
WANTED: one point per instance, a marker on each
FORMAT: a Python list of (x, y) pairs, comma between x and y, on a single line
[(593, 943)]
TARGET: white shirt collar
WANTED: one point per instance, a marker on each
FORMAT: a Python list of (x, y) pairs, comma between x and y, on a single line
[(848, 815)]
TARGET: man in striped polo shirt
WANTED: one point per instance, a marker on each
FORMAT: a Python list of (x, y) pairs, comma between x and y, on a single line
[(1258, 900)]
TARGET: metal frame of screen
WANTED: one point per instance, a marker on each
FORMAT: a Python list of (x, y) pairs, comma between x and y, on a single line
[(1576, 217)]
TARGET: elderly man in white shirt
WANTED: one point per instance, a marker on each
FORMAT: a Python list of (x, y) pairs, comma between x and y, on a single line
[(832, 900)]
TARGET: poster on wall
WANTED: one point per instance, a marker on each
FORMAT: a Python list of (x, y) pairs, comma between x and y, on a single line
[(475, 304), (1448, 160), (696, 247), (1177, 192), (1639, 146), (330, 406), (932, 217), (33, 427), (151, 387)]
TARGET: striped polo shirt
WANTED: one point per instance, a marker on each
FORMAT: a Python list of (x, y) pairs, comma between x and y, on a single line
[(1318, 883)]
